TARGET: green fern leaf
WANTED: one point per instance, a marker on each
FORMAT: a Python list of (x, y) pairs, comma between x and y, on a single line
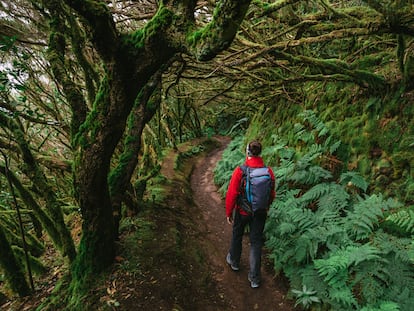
[(382, 306), (366, 214), (287, 228), (354, 179), (332, 148), (315, 192), (404, 219), (365, 252), (311, 175), (370, 279), (337, 199), (330, 267), (343, 296)]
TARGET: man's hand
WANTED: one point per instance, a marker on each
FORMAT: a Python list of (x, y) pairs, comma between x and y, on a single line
[(230, 220)]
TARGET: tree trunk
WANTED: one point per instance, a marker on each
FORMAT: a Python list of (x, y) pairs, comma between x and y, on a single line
[(12, 270), (144, 109)]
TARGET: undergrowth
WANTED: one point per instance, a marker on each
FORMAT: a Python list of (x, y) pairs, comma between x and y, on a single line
[(341, 247)]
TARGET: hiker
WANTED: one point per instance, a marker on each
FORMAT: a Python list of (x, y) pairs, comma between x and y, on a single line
[(239, 217)]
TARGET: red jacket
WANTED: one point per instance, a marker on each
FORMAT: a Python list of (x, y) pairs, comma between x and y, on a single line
[(234, 186)]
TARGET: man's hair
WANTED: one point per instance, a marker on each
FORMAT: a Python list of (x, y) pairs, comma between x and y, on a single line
[(254, 148)]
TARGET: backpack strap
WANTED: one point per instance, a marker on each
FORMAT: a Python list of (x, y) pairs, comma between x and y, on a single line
[(242, 199), (243, 179)]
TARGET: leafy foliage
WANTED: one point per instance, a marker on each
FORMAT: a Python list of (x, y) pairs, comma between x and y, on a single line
[(404, 219), (326, 233)]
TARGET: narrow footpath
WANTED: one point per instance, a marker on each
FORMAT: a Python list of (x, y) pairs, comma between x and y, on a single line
[(233, 286)]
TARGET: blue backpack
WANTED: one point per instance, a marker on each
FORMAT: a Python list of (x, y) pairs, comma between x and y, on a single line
[(255, 189)]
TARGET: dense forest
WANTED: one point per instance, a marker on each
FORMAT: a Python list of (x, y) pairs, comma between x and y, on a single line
[(93, 94)]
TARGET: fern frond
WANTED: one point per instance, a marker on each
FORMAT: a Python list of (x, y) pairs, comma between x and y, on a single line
[(342, 295), (315, 192), (332, 148), (304, 218), (287, 228), (317, 124), (305, 248), (404, 219), (330, 267), (354, 179), (336, 199), (382, 306), (401, 275), (361, 221), (331, 196), (396, 246), (365, 252), (372, 280), (309, 276), (311, 175), (287, 167), (342, 259), (403, 296)]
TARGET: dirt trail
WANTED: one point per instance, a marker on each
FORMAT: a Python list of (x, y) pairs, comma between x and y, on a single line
[(234, 286)]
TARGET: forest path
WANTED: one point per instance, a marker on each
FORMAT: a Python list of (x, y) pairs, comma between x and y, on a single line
[(234, 286)]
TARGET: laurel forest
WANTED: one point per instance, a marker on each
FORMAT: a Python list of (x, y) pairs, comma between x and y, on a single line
[(94, 93)]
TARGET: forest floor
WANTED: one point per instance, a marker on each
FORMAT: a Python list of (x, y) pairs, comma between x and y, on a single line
[(172, 255)]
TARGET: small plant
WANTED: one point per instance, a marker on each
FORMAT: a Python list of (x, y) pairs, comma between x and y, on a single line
[(305, 297)]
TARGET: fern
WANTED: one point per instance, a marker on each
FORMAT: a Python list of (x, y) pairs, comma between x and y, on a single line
[(342, 296), (382, 306), (334, 269), (317, 124), (364, 217), (353, 179), (287, 168), (334, 147), (371, 279), (327, 192), (310, 175), (404, 219), (336, 199), (328, 238)]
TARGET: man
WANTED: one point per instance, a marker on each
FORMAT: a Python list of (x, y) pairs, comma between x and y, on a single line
[(239, 218)]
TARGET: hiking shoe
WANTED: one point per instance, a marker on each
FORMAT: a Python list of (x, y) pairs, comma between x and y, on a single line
[(253, 284), (233, 266)]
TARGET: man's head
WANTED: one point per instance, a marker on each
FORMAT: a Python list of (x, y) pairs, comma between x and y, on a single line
[(253, 149)]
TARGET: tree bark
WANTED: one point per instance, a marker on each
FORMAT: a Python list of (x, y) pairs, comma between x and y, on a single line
[(11, 268)]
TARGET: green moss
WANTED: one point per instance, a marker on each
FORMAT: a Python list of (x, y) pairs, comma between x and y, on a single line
[(162, 19), (364, 166), (194, 36), (88, 130), (388, 137)]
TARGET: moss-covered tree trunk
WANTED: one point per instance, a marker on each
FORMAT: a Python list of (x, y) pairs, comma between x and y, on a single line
[(11, 268), (144, 109), (129, 62)]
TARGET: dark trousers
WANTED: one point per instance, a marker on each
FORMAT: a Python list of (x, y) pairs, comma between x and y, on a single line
[(256, 224)]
